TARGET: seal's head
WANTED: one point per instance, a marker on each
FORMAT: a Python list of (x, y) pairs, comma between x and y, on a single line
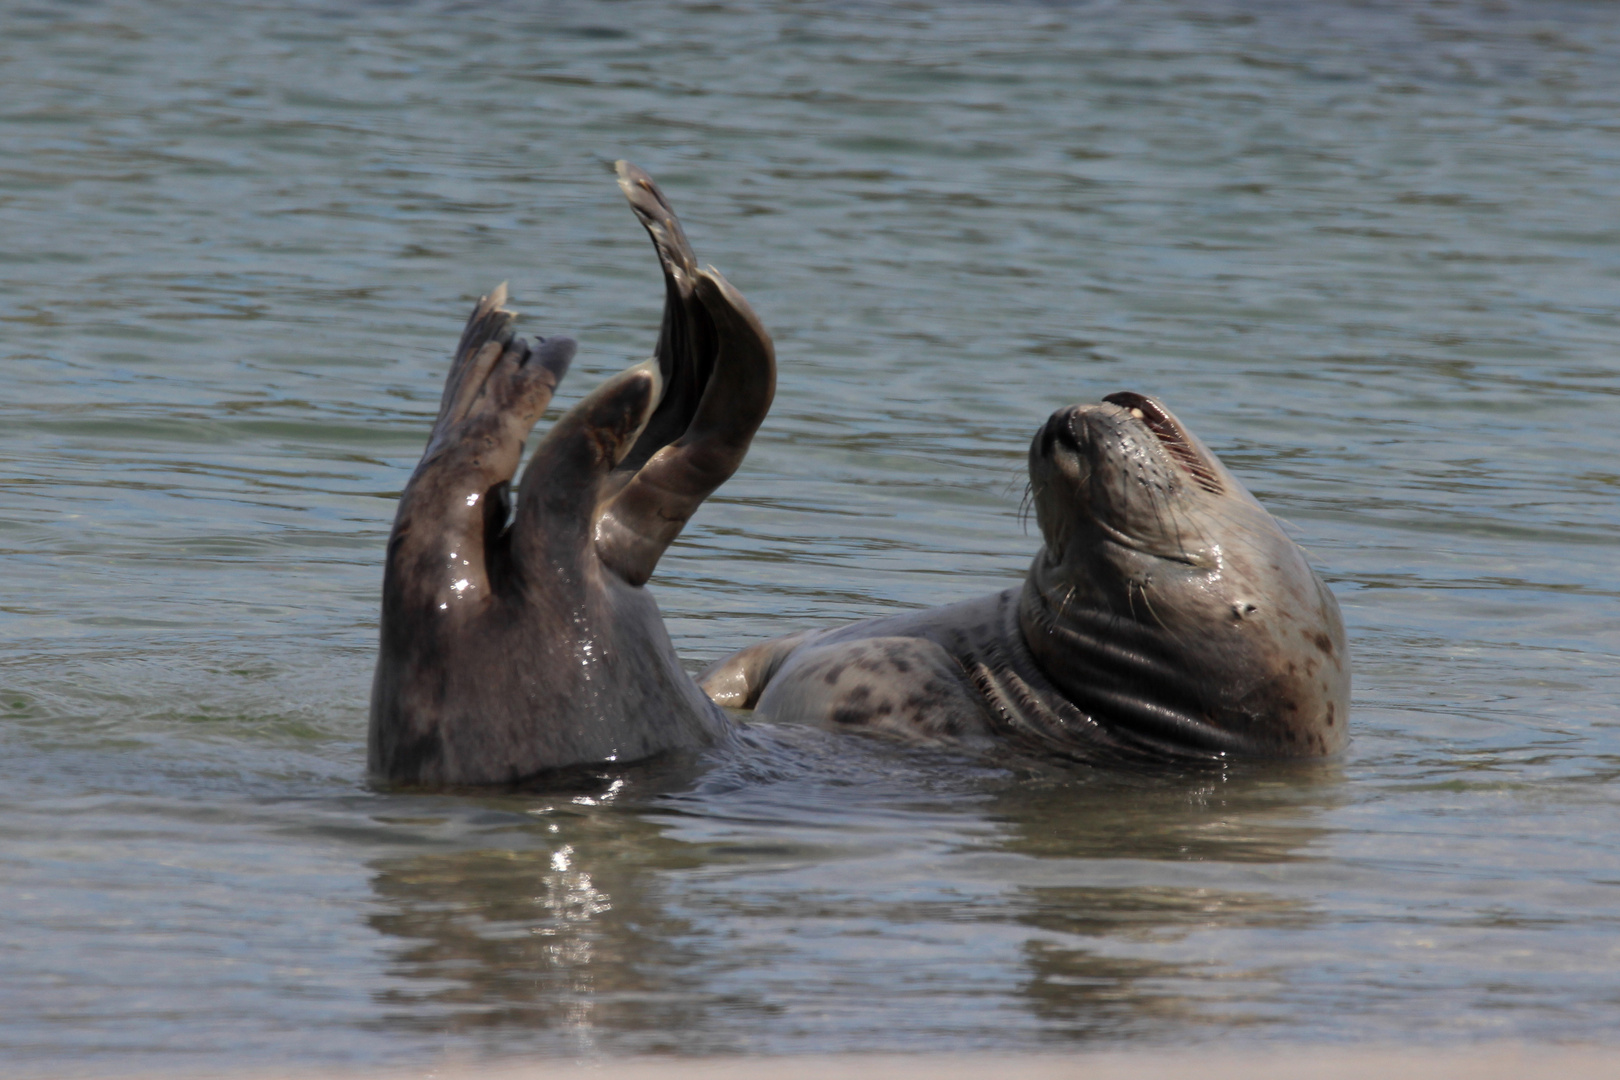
[(1166, 602)]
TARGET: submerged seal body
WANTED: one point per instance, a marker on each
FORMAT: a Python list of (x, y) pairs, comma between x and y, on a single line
[(1166, 614), (514, 643)]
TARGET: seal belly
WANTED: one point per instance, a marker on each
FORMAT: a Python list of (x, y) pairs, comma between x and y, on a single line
[(903, 687)]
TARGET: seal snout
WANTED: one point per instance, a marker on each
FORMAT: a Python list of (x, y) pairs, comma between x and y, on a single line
[(1060, 429)]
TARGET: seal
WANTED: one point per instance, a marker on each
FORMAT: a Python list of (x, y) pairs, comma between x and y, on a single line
[(520, 640), (1166, 614)]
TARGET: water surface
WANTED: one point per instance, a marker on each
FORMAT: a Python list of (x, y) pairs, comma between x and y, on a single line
[(1367, 251)]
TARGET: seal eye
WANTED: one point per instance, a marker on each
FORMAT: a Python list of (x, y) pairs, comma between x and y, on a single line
[(1170, 436)]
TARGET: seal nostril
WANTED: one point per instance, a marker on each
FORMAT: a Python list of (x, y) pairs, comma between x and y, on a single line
[(1059, 428), (1048, 434)]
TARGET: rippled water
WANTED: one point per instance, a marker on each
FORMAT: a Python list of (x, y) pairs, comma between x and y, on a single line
[(1369, 252)]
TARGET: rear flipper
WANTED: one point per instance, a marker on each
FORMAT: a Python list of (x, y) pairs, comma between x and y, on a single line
[(511, 650), (447, 531), (688, 338)]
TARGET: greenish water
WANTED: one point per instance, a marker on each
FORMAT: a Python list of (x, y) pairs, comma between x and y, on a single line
[(1369, 252)]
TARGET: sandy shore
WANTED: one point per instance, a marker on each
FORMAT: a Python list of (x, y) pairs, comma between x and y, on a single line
[(1318, 1063), (1492, 1062)]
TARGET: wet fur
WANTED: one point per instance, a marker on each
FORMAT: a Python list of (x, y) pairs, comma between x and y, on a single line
[(1166, 615)]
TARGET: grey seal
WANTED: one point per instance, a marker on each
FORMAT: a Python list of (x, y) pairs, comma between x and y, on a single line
[(1166, 614), (516, 641)]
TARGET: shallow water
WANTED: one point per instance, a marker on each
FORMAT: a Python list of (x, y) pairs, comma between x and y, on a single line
[(1367, 251)]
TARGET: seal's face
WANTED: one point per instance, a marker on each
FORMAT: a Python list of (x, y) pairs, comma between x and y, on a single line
[(1167, 602)]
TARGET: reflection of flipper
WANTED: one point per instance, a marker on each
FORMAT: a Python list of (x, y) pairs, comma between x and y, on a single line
[(686, 340)]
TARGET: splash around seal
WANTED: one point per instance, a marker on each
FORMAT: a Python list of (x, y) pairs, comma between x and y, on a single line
[(1166, 614)]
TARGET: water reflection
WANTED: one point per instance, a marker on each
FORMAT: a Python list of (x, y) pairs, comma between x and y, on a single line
[(1254, 812), (1098, 963), (561, 929), (664, 922)]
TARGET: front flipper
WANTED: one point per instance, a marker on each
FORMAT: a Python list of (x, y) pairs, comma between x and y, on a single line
[(736, 681)]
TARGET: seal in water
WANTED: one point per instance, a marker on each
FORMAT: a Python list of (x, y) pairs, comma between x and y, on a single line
[(517, 643), (1166, 613)]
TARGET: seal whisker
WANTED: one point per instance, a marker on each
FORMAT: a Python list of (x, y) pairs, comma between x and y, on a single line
[(1026, 505)]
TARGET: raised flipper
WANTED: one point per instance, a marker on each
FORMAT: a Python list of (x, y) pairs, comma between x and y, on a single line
[(686, 339), (448, 530), (719, 377), (654, 505), (563, 487), (510, 652)]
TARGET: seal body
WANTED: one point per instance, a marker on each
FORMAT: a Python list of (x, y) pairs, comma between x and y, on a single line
[(1167, 614), (520, 640)]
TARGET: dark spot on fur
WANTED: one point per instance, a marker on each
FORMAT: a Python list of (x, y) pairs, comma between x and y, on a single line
[(895, 654), (883, 710), (832, 674), (848, 716), (866, 663), (934, 696), (860, 695), (1323, 642), (1330, 714)]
